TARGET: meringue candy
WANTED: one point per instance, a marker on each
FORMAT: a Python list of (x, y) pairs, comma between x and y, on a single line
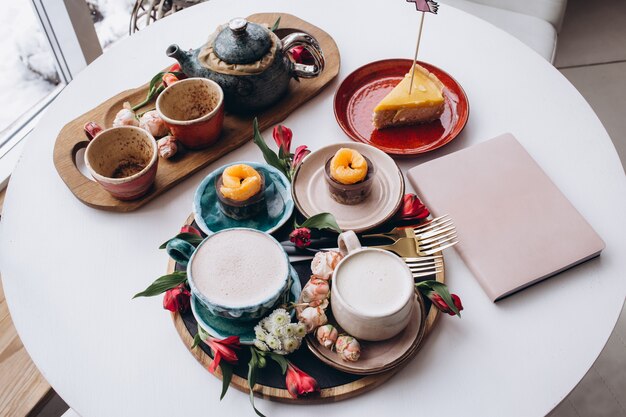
[(315, 292), (324, 263), (152, 122), (312, 318), (348, 348), (167, 146), (125, 117), (327, 335)]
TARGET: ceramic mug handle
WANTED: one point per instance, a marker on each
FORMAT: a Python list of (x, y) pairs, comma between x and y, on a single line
[(180, 250), (348, 242)]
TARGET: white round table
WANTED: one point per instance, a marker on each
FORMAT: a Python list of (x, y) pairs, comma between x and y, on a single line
[(69, 271)]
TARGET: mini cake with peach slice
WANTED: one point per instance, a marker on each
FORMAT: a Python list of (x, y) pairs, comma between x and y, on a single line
[(422, 103), (349, 176), (240, 191)]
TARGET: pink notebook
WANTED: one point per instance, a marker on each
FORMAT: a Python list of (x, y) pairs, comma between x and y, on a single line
[(515, 227)]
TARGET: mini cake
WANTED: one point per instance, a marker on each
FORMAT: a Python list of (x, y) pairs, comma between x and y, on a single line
[(424, 104), (349, 176), (240, 191)]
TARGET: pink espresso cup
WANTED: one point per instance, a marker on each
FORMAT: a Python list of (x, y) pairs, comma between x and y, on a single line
[(193, 110), (123, 160)]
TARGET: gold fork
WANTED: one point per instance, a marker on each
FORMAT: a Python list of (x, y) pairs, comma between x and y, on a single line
[(431, 226), (424, 266), (412, 248)]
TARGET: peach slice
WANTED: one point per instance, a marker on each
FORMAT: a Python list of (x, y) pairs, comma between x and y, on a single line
[(240, 182), (348, 166)]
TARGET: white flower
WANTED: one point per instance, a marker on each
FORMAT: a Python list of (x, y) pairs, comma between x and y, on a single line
[(273, 342), (265, 324), (299, 330), (288, 330), (260, 333), (290, 344), (277, 331), (279, 317), (260, 345)]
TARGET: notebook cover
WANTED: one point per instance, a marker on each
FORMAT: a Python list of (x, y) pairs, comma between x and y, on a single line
[(515, 227)]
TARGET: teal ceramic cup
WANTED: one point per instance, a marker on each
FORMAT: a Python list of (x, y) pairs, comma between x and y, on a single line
[(180, 250), (239, 273)]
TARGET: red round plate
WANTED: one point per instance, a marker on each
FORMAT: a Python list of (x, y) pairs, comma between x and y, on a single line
[(361, 91)]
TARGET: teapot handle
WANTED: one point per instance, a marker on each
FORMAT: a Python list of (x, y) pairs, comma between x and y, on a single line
[(310, 44)]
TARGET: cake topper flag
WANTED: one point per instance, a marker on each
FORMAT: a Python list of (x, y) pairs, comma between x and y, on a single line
[(423, 6)]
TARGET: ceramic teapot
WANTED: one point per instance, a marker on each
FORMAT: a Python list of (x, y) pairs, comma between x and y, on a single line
[(249, 62)]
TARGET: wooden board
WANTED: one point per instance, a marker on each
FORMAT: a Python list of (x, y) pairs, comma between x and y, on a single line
[(237, 129), (359, 384)]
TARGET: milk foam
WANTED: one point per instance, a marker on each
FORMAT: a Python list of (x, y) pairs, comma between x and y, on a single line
[(373, 283), (239, 268)]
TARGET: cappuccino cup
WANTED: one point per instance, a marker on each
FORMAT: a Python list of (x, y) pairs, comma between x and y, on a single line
[(372, 291)]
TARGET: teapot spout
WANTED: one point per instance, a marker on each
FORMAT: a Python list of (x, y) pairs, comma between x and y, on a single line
[(184, 58)]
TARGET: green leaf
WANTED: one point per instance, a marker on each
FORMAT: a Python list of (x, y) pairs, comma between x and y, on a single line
[(196, 341), (268, 154), (164, 283), (322, 221), (155, 87), (276, 23), (188, 237), (252, 370), (280, 360), (227, 375)]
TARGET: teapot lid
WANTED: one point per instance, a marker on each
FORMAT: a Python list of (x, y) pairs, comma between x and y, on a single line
[(242, 42)]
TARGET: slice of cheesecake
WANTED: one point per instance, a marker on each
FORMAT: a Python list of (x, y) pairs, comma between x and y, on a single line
[(424, 104)]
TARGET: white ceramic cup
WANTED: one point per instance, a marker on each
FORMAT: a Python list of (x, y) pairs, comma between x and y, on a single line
[(372, 291)]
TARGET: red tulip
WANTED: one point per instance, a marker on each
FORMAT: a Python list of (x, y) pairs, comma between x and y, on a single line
[(301, 237), (177, 299), (301, 55), (282, 137), (441, 305), (190, 229), (223, 349), (412, 208), (299, 383), (301, 152)]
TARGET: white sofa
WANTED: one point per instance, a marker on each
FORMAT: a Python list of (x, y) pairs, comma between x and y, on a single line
[(534, 22)]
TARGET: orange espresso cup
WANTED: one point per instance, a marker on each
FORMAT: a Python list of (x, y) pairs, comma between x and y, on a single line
[(193, 110)]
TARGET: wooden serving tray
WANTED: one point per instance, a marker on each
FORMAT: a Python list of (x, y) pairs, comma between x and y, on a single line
[(237, 129), (335, 385)]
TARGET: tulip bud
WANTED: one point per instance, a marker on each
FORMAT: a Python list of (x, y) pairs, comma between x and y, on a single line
[(282, 136), (299, 383), (177, 299), (301, 237)]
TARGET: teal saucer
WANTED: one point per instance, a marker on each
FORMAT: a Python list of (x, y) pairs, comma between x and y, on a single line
[(221, 327), (277, 191)]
